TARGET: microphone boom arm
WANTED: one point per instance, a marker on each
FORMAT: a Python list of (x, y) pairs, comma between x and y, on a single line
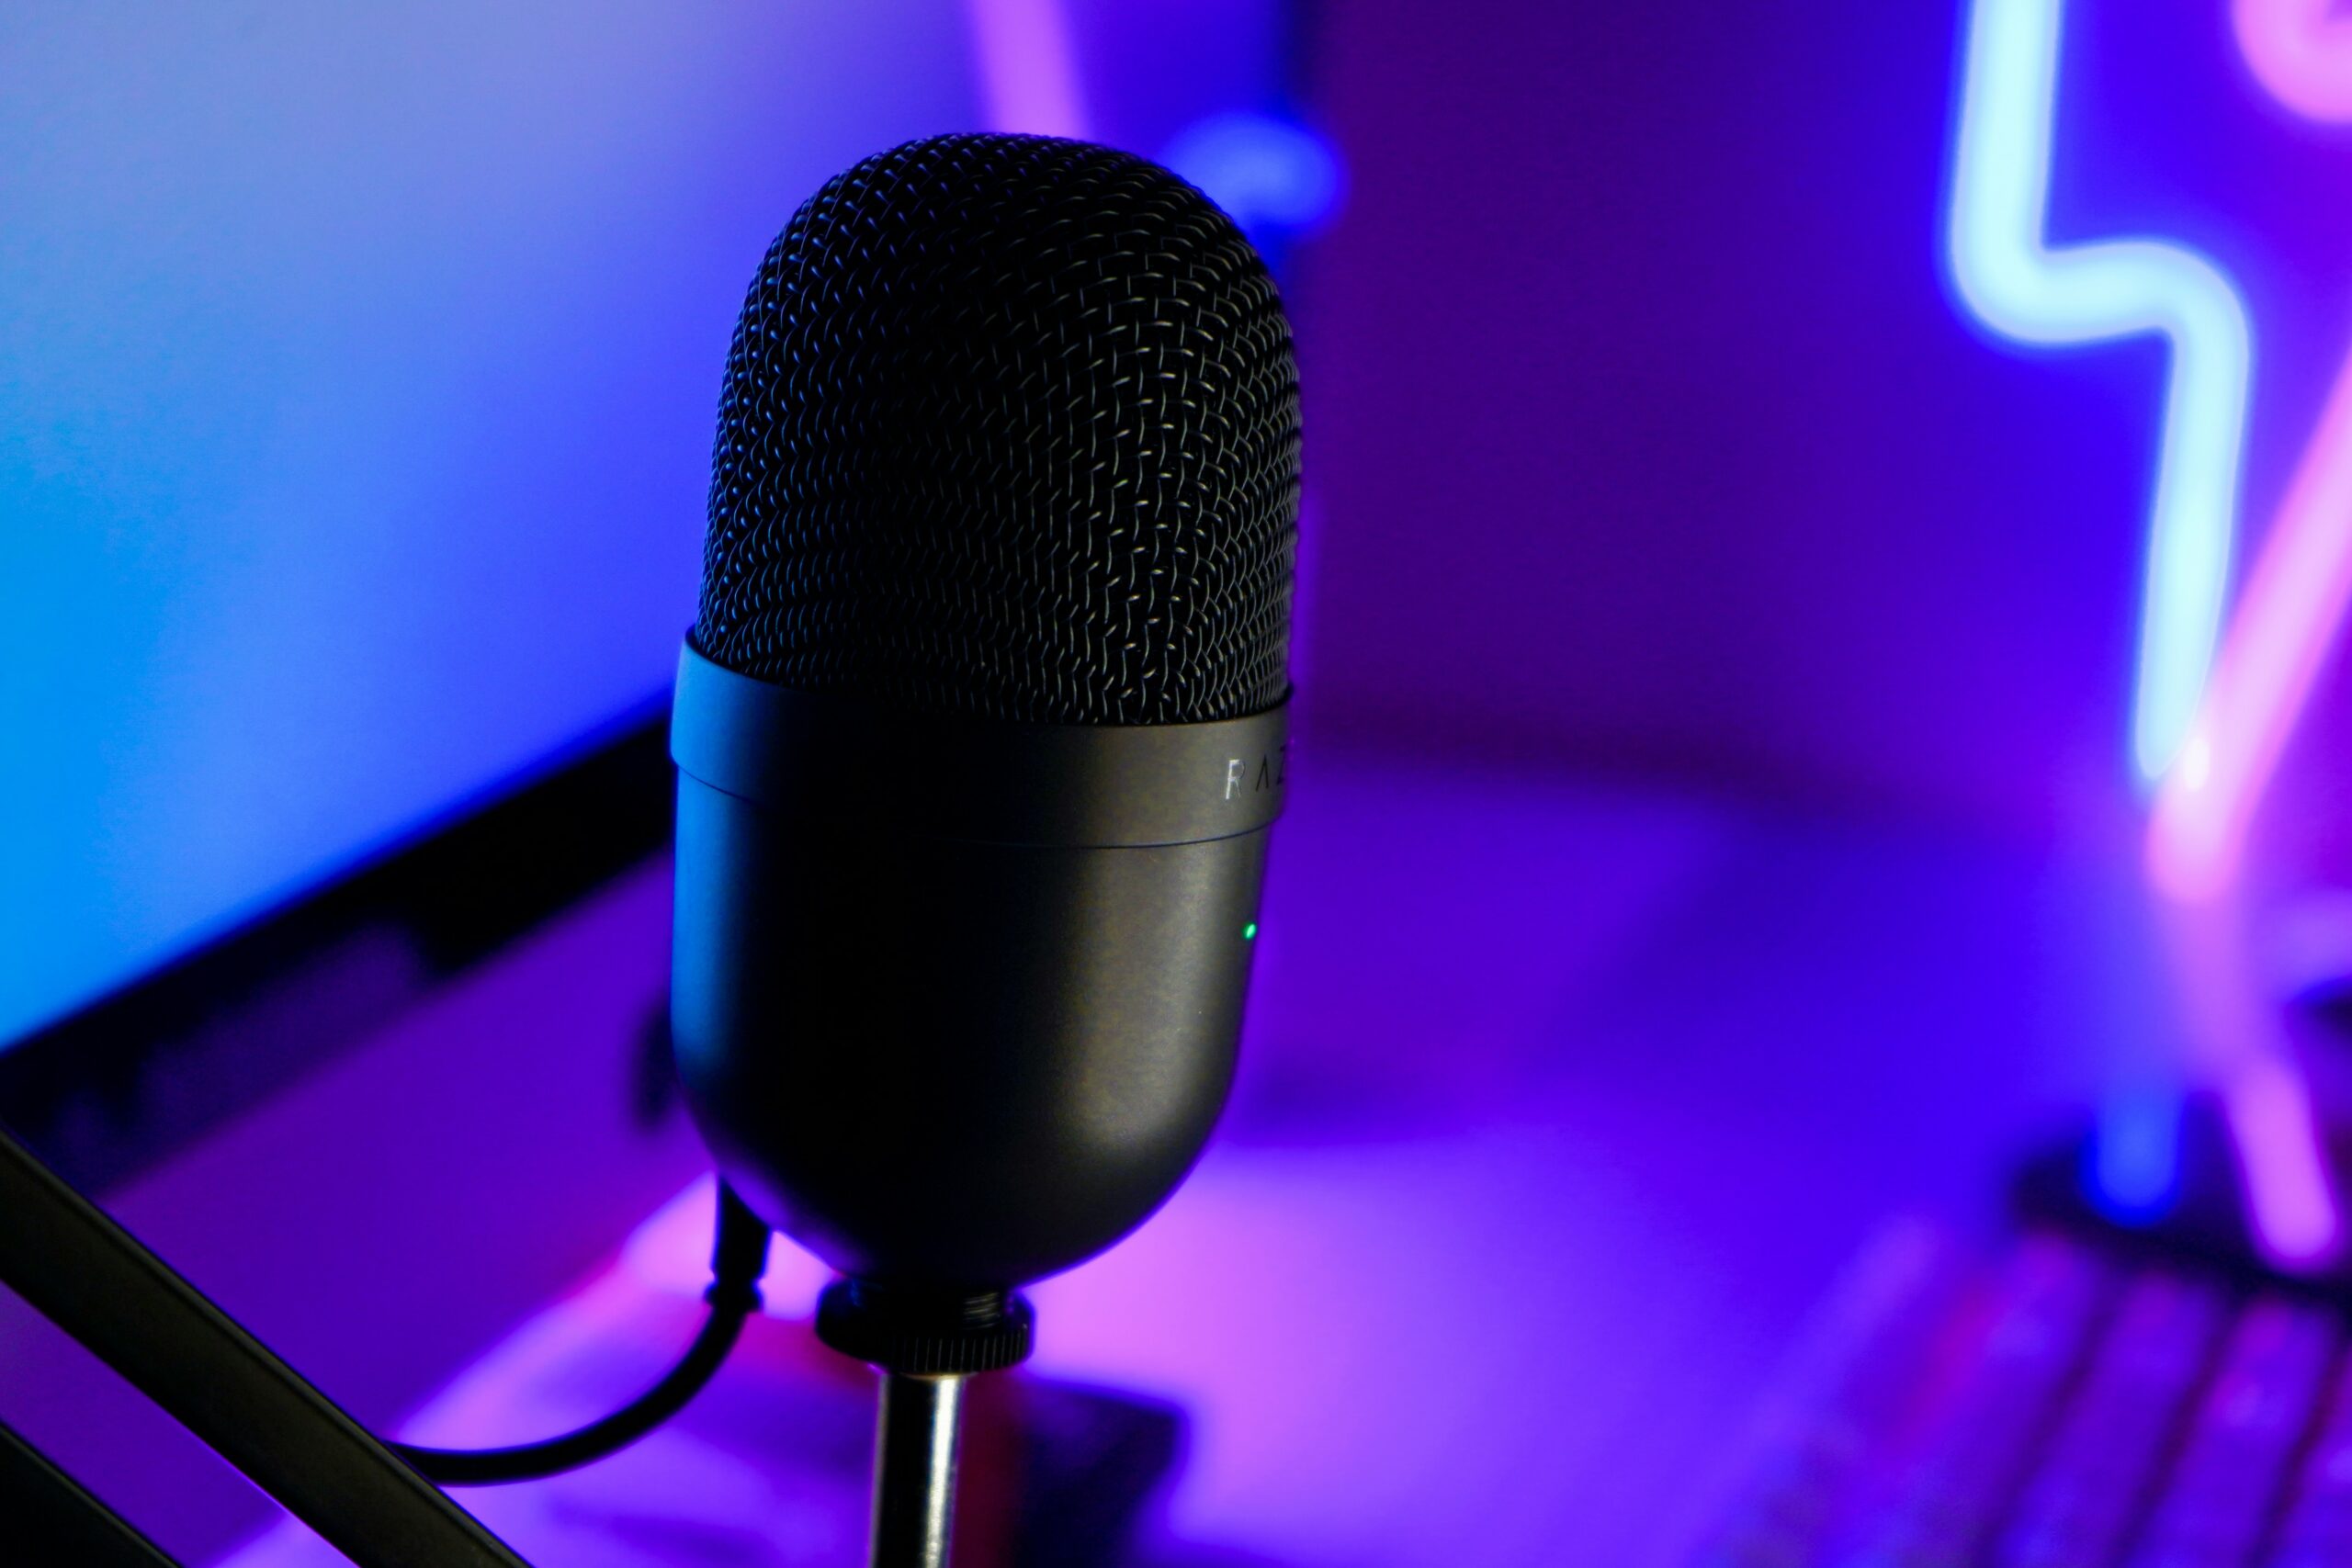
[(82, 1271), (43, 1504)]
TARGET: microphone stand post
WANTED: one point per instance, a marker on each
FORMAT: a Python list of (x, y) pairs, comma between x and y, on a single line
[(926, 1344), (915, 1438)]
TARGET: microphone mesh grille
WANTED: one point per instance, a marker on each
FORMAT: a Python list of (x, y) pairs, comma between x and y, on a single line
[(1010, 428)]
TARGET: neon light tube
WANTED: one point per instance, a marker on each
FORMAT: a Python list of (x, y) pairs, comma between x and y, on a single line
[(2301, 50), (2295, 599), (2211, 751), (2287, 1187), (2092, 294), (2301, 583)]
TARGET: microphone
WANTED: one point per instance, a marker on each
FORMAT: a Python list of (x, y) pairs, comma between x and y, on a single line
[(980, 732)]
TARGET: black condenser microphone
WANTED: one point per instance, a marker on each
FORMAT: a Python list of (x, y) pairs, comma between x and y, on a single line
[(980, 733)]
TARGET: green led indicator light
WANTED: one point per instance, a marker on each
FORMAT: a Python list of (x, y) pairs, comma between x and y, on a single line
[(1250, 932)]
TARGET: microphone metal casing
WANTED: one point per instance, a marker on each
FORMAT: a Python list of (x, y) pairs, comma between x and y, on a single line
[(993, 1024)]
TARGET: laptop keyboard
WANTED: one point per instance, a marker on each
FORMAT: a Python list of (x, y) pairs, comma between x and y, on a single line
[(2063, 1409)]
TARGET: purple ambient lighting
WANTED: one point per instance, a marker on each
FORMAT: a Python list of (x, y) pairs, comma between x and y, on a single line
[(669, 1253), (1028, 69), (2302, 50)]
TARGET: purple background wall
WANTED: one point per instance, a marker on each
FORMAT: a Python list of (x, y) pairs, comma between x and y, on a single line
[(1646, 434), (1642, 436)]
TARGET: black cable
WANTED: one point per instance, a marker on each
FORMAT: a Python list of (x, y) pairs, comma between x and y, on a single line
[(739, 1256)]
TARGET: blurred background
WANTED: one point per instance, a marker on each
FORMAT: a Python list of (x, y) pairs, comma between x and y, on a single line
[(1825, 531)]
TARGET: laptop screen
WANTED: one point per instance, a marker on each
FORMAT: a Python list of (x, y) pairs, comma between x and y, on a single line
[(358, 368)]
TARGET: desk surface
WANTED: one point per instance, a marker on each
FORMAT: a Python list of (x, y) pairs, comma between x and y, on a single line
[(1561, 1110)]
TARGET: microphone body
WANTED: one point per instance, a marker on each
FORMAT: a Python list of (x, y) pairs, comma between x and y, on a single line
[(980, 725), (956, 999)]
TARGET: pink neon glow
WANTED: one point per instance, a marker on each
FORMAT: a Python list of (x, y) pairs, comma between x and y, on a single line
[(2242, 1053), (2284, 623), (2287, 620), (2270, 1111), (1028, 70), (2297, 594), (2301, 50)]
